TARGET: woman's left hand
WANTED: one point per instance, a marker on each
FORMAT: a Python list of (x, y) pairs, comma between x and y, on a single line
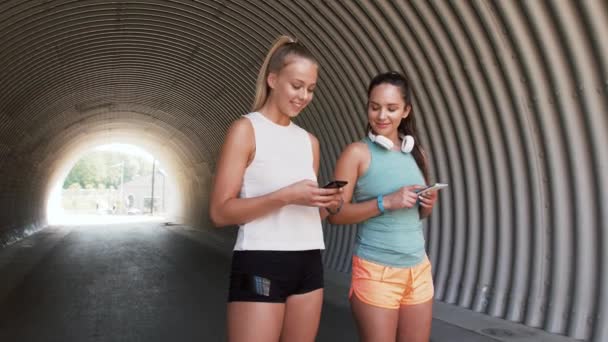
[(428, 199), (336, 204)]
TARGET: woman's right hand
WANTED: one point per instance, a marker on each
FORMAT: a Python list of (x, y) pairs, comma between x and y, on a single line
[(405, 197), (308, 193)]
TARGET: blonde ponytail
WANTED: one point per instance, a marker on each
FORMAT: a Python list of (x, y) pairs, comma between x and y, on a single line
[(282, 47)]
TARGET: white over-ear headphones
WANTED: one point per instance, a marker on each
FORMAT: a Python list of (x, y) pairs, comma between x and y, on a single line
[(407, 144)]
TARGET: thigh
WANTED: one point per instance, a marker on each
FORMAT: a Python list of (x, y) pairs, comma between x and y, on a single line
[(415, 322), (255, 321), (375, 324), (302, 316)]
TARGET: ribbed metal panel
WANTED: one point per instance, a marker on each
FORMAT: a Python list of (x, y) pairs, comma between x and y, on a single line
[(510, 98)]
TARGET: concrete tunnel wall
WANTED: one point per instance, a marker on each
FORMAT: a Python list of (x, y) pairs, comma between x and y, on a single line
[(510, 97)]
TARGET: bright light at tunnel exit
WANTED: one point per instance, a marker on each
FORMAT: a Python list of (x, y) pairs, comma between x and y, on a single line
[(57, 215), (126, 149)]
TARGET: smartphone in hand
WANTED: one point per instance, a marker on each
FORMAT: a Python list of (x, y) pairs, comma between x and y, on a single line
[(436, 186), (335, 184)]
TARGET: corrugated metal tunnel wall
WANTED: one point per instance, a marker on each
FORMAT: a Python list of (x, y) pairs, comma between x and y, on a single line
[(510, 97)]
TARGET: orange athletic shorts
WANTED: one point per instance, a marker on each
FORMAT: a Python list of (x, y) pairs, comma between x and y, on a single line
[(391, 287)]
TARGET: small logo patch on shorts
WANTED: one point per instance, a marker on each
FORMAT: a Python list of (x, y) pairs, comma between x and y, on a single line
[(256, 284), (261, 286)]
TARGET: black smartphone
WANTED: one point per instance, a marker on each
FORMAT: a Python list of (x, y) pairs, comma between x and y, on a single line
[(335, 184)]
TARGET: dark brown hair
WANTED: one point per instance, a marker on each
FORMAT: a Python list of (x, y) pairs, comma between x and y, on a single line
[(407, 125)]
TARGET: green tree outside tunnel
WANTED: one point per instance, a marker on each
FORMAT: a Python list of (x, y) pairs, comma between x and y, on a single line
[(96, 169)]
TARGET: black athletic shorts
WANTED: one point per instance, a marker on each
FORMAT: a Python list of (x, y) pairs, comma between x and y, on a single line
[(272, 276)]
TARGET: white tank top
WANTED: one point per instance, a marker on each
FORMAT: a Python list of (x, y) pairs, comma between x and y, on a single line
[(283, 156)]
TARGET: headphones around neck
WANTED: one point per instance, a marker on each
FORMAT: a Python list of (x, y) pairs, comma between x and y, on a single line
[(407, 144)]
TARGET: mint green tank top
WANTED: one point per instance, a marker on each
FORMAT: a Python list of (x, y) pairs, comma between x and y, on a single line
[(394, 238)]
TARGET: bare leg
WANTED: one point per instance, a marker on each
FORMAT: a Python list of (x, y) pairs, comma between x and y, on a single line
[(375, 324), (302, 316), (254, 321), (415, 322)]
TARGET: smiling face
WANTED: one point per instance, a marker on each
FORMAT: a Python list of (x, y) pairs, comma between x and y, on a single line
[(293, 86), (385, 110)]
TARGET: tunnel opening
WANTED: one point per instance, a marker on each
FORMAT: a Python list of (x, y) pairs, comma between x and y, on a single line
[(187, 170), (112, 184)]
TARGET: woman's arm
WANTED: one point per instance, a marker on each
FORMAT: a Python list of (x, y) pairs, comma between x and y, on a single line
[(237, 152), (316, 156), (352, 163), (226, 208)]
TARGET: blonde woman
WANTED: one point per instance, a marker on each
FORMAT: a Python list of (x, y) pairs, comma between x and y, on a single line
[(266, 181)]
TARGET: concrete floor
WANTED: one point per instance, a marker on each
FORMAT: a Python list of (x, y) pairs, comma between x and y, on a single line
[(135, 282)]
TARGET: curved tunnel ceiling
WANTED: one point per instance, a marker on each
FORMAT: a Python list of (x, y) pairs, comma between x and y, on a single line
[(510, 98)]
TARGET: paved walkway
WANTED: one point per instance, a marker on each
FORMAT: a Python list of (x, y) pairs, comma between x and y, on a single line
[(134, 282)]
